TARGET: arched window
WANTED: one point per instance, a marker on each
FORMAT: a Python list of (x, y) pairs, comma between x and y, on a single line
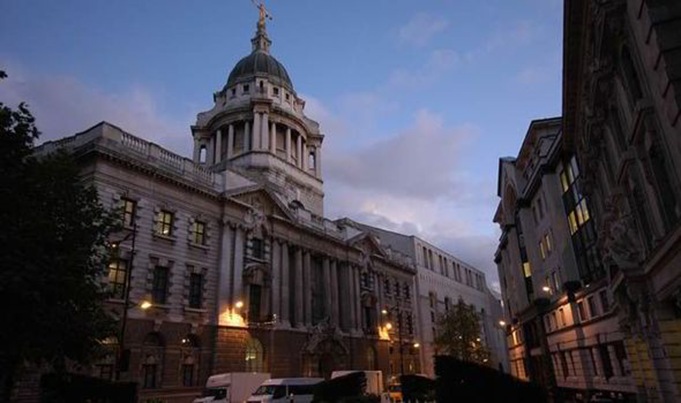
[(152, 356), (190, 360), (202, 154), (254, 356)]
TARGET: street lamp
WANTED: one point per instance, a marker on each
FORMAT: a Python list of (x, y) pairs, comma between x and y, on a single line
[(389, 326), (123, 358)]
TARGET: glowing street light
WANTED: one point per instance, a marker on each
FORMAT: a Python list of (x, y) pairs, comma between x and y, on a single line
[(417, 345), (239, 304), (546, 288), (502, 323), (145, 305)]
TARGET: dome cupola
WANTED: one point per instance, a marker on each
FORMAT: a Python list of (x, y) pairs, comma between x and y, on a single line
[(260, 63)]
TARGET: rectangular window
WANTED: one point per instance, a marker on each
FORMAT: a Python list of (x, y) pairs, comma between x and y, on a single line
[(246, 88), (582, 312), (164, 223), (257, 248), (556, 280), (605, 360), (159, 291), (593, 361), (542, 252), (386, 286), (547, 241), (117, 277), (605, 304), (129, 207), (593, 308), (564, 364), (254, 296), (527, 271), (562, 317), (195, 290), (188, 374), (198, 233), (149, 376)]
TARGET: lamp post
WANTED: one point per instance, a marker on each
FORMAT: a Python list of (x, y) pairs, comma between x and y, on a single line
[(123, 355), (398, 311)]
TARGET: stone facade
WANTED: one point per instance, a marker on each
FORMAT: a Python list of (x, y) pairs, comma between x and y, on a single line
[(442, 279), (232, 250), (617, 160)]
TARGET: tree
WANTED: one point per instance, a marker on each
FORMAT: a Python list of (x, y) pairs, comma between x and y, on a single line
[(458, 334), (52, 254)]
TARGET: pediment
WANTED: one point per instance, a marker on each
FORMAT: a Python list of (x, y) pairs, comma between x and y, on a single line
[(368, 244), (261, 201)]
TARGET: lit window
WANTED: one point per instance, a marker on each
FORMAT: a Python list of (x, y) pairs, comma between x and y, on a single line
[(547, 241), (164, 224), (527, 270), (198, 233), (117, 274), (254, 356), (541, 250), (572, 221), (129, 207)]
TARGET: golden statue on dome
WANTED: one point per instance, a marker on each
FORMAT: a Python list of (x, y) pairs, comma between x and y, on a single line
[(264, 13)]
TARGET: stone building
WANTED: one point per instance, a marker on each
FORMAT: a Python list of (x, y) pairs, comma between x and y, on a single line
[(562, 329), (618, 164), (441, 279), (232, 250)]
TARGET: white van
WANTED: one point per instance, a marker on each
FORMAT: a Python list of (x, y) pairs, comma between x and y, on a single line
[(234, 387), (285, 390)]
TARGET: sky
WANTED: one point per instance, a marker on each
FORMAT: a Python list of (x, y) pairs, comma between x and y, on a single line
[(417, 100)]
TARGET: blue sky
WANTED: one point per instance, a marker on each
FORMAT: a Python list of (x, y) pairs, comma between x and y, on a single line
[(417, 99)]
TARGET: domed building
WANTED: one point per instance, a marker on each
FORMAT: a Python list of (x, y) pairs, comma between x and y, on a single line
[(231, 253), (257, 127)]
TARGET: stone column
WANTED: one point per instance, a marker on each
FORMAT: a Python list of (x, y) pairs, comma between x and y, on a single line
[(256, 131), (307, 288), (264, 131), (237, 270), (285, 286), (358, 298), (299, 290), (210, 152), (326, 278), (276, 278), (225, 269), (218, 146), (304, 156), (335, 312), (197, 150), (352, 299), (288, 144), (273, 138), (230, 141), (299, 150), (318, 161), (247, 135)]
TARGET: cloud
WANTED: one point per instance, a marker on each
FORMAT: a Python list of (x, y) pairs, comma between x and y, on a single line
[(421, 28), (64, 105), (419, 162), (411, 182), (439, 62), (520, 33)]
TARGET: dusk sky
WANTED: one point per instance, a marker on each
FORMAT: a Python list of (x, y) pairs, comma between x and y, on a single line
[(417, 99)]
